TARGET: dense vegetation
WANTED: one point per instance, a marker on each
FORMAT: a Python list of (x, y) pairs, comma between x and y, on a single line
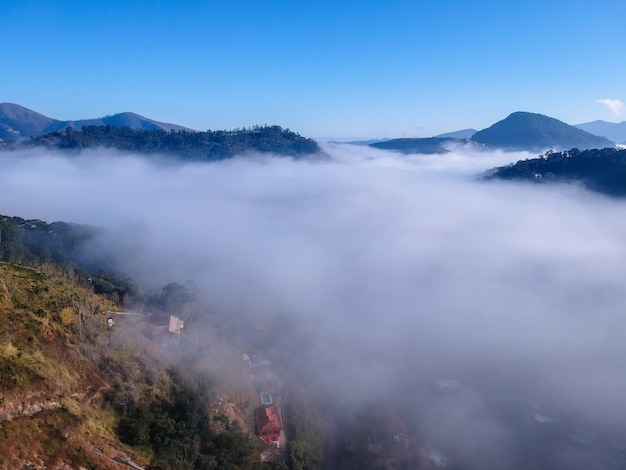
[(103, 394), (170, 421), (186, 145), (429, 145), (59, 358), (306, 432), (28, 241), (602, 170), (34, 242), (118, 394)]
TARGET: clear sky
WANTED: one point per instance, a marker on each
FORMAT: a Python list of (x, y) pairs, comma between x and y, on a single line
[(326, 69)]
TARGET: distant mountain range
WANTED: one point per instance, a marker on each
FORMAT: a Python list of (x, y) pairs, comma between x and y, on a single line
[(611, 130), (18, 122), (518, 132)]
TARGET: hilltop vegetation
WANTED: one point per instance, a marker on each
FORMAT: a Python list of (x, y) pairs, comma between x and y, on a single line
[(602, 170), (130, 132), (427, 146), (30, 241), (135, 133), (184, 145)]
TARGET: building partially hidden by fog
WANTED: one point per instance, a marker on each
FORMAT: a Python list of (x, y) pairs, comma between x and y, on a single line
[(268, 424), (176, 324)]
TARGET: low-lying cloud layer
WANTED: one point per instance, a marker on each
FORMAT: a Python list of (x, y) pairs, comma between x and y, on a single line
[(392, 271)]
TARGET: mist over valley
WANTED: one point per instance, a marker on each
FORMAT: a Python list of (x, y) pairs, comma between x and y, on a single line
[(429, 313), (312, 236)]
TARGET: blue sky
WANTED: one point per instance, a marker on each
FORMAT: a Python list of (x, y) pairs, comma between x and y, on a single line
[(327, 69)]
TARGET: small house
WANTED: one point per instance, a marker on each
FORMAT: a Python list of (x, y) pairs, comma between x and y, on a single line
[(176, 324), (268, 423)]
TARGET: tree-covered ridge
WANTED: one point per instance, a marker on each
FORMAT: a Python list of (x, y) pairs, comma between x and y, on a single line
[(602, 170), (186, 145), (33, 241), (427, 145)]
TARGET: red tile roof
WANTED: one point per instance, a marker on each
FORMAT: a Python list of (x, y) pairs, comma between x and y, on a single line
[(268, 419)]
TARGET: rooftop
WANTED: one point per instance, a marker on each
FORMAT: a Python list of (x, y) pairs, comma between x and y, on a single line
[(268, 419)]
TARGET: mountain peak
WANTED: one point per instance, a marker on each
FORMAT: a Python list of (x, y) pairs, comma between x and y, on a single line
[(18, 122), (523, 130)]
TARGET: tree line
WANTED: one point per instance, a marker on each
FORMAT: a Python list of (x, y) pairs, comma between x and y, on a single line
[(185, 145), (602, 170)]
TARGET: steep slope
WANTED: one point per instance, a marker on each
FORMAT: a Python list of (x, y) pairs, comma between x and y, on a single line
[(615, 131), (536, 132), (79, 391), (50, 388), (82, 386), (19, 122)]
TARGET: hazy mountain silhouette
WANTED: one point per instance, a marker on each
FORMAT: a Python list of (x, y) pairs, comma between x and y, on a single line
[(536, 132), (427, 145), (132, 120), (18, 122), (611, 130), (462, 134)]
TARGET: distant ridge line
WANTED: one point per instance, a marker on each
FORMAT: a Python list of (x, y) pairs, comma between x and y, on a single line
[(18, 122)]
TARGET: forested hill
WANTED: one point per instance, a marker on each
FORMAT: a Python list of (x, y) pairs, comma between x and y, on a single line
[(426, 145), (602, 170), (185, 145), (33, 241)]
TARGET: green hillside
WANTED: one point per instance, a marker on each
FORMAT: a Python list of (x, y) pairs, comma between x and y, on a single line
[(77, 391), (92, 377)]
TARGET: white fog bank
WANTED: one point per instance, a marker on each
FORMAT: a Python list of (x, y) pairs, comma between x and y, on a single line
[(393, 270)]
